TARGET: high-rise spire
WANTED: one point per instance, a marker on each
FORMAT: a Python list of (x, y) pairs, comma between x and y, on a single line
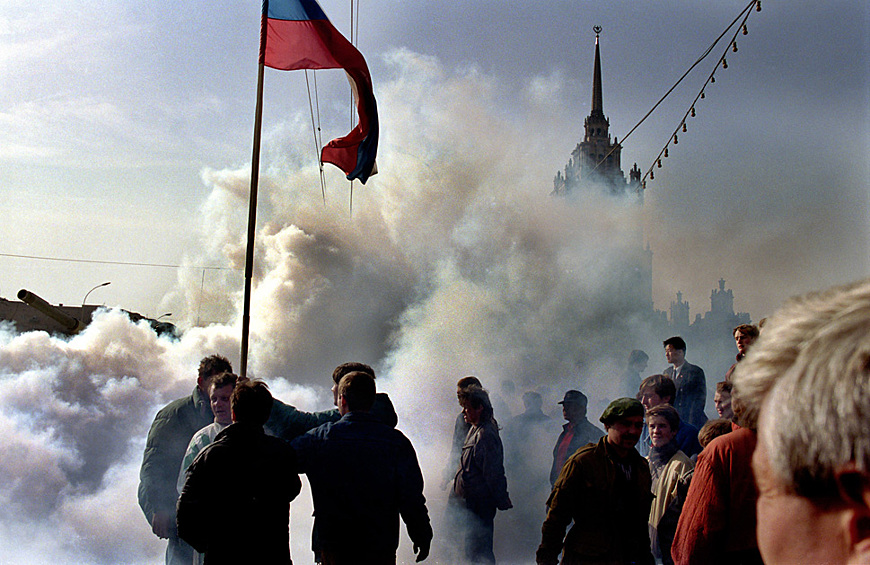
[(597, 97)]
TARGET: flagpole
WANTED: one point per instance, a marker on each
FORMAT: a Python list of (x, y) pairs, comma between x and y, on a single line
[(252, 205)]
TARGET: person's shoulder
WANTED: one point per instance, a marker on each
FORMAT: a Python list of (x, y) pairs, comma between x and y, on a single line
[(175, 406), (682, 461), (591, 450)]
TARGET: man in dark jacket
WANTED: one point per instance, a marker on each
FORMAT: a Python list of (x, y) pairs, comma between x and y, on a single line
[(245, 477), (690, 381), (364, 475), (167, 441), (605, 489), (575, 434)]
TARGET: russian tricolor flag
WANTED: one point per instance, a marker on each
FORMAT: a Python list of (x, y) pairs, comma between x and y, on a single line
[(297, 35)]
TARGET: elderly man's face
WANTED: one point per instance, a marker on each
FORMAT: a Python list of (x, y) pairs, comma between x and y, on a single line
[(791, 529)]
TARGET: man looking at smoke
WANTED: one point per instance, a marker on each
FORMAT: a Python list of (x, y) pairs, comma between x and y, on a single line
[(605, 489), (364, 475), (168, 439)]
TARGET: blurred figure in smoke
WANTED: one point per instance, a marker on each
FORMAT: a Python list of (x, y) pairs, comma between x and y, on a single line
[(364, 475), (527, 448), (168, 438), (247, 478), (722, 400), (605, 489), (691, 396), (575, 434), (744, 336), (656, 390), (219, 392), (480, 486), (671, 471), (503, 402), (806, 384), (637, 364)]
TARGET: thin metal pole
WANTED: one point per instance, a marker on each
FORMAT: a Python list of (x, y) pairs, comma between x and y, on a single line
[(252, 205)]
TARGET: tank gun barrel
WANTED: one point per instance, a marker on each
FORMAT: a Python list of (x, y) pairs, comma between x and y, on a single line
[(70, 324)]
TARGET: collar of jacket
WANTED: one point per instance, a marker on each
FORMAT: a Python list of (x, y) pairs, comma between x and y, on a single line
[(360, 416)]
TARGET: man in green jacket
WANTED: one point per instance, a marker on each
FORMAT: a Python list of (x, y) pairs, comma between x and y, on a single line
[(605, 489), (168, 438)]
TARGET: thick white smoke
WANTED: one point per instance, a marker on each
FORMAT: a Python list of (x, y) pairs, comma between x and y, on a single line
[(455, 261)]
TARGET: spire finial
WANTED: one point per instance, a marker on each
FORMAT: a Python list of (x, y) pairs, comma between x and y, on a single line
[(597, 98)]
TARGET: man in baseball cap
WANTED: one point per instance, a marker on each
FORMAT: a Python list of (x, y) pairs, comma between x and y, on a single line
[(575, 434), (605, 489)]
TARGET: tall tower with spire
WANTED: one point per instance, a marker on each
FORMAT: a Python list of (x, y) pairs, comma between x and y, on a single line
[(596, 161)]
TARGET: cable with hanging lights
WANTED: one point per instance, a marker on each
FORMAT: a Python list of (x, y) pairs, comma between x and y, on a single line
[(742, 28)]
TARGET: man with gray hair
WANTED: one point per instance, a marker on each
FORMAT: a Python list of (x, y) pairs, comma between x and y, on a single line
[(806, 384)]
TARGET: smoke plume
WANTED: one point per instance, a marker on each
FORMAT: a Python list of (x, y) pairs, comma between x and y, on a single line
[(454, 261)]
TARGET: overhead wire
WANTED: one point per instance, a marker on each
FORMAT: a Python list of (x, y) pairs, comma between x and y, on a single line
[(744, 14), (700, 95), (124, 263)]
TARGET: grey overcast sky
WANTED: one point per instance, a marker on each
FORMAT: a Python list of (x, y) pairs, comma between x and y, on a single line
[(110, 113)]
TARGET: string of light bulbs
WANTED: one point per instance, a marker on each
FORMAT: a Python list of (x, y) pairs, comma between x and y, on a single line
[(711, 79)]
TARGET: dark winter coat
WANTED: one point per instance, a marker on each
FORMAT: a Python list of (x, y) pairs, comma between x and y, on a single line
[(235, 505), (691, 395), (364, 475)]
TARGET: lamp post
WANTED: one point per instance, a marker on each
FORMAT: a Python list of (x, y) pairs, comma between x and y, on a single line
[(85, 299)]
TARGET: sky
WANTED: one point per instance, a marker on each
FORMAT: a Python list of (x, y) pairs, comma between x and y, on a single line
[(110, 117), (126, 133)]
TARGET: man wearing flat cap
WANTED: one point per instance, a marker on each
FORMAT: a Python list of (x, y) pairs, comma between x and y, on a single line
[(575, 434), (605, 489)]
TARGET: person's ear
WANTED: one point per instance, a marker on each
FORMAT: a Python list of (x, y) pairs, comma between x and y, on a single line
[(233, 413), (854, 489)]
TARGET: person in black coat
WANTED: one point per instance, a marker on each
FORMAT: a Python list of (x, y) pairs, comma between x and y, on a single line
[(245, 477)]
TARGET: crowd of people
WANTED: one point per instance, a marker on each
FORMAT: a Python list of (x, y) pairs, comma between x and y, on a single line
[(782, 476)]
